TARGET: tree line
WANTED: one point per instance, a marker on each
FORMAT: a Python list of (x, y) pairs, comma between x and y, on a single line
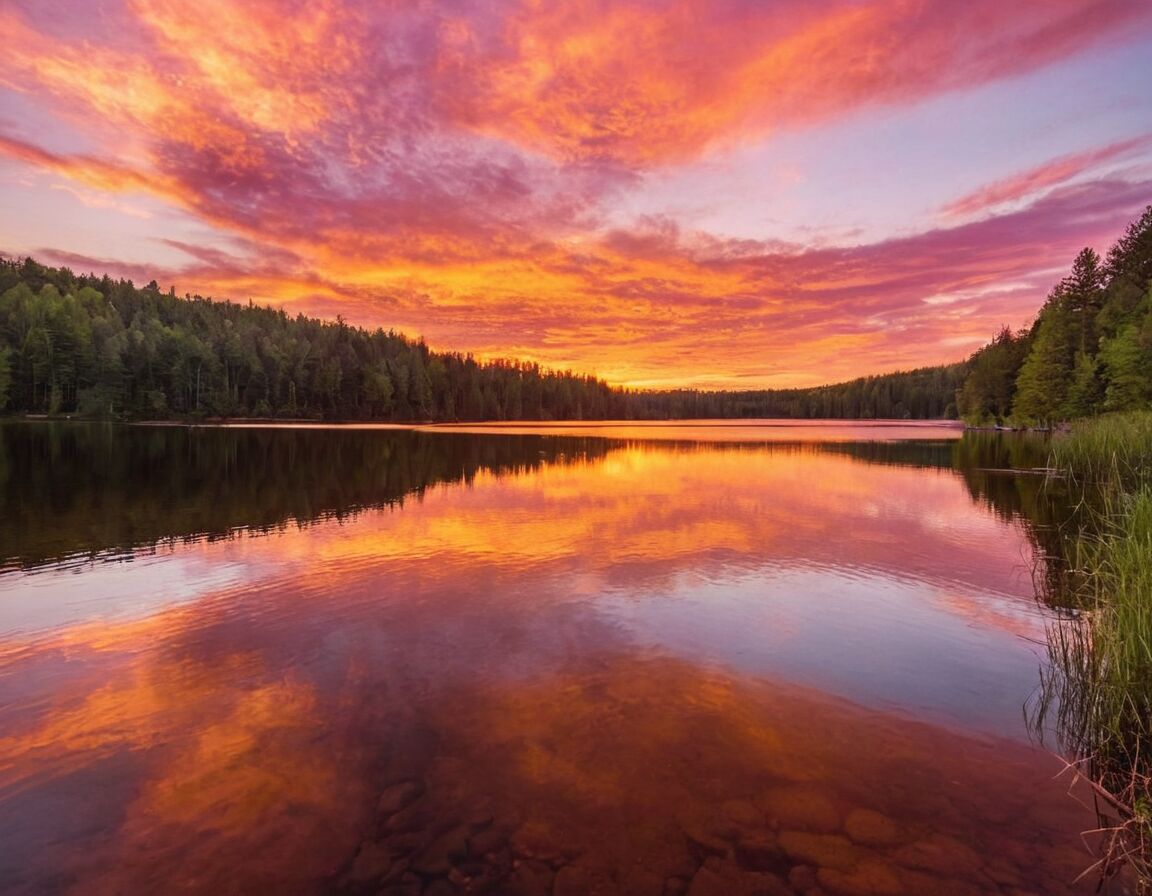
[(1089, 350), (93, 346)]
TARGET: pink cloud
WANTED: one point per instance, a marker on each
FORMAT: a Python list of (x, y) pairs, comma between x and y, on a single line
[(1057, 171)]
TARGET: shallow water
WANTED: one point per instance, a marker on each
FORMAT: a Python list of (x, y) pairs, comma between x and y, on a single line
[(374, 660)]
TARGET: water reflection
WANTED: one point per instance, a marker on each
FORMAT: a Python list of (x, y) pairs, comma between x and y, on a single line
[(622, 667)]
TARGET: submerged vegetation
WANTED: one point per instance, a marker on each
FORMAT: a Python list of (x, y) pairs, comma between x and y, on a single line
[(1099, 682)]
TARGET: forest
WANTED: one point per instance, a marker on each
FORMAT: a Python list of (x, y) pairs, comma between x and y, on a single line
[(1088, 352), (92, 346)]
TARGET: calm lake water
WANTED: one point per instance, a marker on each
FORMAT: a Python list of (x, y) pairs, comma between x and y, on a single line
[(645, 659)]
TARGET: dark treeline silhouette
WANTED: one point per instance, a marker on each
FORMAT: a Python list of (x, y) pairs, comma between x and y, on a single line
[(81, 490), (90, 345), (1089, 350), (926, 393), (70, 488)]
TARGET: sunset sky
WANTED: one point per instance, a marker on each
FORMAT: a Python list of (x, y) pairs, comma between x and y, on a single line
[(728, 194)]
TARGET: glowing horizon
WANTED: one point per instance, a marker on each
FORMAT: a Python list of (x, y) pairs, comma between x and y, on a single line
[(724, 195)]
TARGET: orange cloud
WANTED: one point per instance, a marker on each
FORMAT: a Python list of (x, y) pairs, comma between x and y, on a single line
[(650, 83)]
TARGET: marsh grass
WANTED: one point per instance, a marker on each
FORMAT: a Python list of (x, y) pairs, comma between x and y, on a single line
[(1113, 452), (1099, 682)]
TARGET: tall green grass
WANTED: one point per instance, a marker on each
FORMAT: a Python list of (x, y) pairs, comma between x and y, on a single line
[(1113, 452), (1100, 676)]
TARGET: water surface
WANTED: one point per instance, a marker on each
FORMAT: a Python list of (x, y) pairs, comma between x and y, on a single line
[(735, 659)]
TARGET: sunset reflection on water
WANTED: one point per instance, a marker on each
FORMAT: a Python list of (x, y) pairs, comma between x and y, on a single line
[(669, 668)]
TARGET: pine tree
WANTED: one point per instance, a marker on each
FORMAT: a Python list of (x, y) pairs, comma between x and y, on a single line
[(1042, 387)]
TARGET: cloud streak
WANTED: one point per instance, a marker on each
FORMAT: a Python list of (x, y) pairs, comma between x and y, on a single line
[(1029, 183)]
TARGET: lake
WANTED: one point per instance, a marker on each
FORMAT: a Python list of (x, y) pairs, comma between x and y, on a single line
[(620, 659)]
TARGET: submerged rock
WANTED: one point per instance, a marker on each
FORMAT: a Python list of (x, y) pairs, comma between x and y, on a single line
[(725, 879), (408, 885), (437, 858), (576, 880), (398, 796), (823, 850), (485, 842), (675, 886), (762, 852), (740, 818), (869, 828), (939, 854), (802, 878), (372, 862), (801, 809), (642, 882), (530, 878), (872, 877)]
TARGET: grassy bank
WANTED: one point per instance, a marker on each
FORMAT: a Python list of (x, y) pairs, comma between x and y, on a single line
[(1100, 680)]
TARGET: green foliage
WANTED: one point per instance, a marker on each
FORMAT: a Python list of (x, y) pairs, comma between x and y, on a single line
[(1042, 386), (5, 375), (103, 348), (986, 395), (1099, 682), (922, 394), (1127, 361), (1115, 449), (1089, 350)]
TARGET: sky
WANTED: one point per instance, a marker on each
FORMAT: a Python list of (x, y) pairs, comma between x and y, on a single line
[(663, 193)]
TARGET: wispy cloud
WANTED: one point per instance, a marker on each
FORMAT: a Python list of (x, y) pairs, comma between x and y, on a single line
[(1028, 184)]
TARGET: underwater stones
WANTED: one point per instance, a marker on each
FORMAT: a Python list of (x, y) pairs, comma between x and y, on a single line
[(922, 882), (717, 878), (824, 850), (440, 887), (398, 796), (437, 857), (802, 878), (703, 836), (530, 878), (739, 817), (801, 809), (869, 828), (571, 880), (675, 886), (372, 862), (409, 884), (485, 842), (576, 880), (939, 854), (707, 882), (762, 852), (539, 840), (641, 882), (872, 877)]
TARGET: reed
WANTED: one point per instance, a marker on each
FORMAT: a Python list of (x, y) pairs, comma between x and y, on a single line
[(1099, 681), (1113, 451)]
